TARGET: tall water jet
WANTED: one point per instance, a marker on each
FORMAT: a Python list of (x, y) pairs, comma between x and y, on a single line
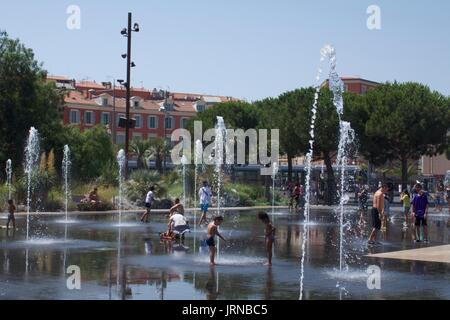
[(121, 159), (308, 168), (274, 175), (198, 160), (9, 177), (184, 163), (32, 151), (219, 145), (66, 163), (346, 137)]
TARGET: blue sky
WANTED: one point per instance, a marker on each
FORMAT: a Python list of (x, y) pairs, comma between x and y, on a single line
[(243, 48)]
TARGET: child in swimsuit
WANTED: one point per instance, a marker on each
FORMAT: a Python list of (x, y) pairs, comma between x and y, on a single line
[(212, 233), (11, 217), (269, 232)]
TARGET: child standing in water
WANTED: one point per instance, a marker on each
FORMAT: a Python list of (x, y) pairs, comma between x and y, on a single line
[(210, 242), (269, 232), (11, 217)]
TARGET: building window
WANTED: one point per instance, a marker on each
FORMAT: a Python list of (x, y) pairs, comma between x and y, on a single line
[(105, 118), (136, 104), (120, 138), (137, 136), (184, 123), (200, 107), (74, 116), (169, 123), (138, 121), (152, 122), (104, 102), (89, 117)]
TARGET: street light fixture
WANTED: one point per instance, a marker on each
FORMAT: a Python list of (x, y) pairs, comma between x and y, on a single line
[(127, 32)]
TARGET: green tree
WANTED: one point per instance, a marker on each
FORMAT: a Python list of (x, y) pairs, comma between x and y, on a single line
[(401, 121), (292, 115), (140, 148), (92, 151), (236, 115), (327, 138), (26, 100), (158, 149)]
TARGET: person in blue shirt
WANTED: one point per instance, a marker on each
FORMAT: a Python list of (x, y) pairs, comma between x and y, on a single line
[(420, 211)]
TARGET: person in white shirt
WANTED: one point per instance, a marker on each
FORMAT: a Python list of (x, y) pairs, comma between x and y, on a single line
[(205, 195), (148, 204)]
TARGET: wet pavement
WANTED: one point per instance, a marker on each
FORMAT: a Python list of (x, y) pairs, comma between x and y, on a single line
[(130, 262)]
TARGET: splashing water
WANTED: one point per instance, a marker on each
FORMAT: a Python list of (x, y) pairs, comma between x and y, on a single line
[(274, 175), (9, 177), (309, 157), (184, 163), (346, 138), (66, 163), (198, 160), (121, 157), (32, 151), (219, 145)]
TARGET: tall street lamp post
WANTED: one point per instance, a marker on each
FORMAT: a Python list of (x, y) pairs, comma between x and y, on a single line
[(127, 32)]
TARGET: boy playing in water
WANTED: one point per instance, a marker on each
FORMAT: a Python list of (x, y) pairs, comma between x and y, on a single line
[(269, 232), (11, 218), (210, 242), (177, 208), (148, 205)]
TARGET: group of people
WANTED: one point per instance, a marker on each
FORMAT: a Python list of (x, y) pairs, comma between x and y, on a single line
[(178, 224), (415, 207), (296, 196)]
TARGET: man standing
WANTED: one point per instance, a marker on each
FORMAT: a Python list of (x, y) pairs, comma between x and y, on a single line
[(420, 210), (377, 212), (205, 195), (148, 205)]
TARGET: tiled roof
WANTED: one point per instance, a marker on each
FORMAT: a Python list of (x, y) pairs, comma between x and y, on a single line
[(76, 97), (184, 102)]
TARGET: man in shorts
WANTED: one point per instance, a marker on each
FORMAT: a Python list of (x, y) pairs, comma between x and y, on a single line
[(148, 205), (205, 195), (377, 213)]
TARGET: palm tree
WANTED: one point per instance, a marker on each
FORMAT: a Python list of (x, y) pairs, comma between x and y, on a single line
[(140, 149), (157, 150)]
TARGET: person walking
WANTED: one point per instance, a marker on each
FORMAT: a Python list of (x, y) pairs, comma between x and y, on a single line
[(205, 195)]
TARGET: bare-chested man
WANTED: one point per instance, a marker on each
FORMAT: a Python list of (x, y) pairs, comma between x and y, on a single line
[(377, 213)]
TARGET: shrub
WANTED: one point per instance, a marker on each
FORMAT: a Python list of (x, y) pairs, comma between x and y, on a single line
[(141, 181)]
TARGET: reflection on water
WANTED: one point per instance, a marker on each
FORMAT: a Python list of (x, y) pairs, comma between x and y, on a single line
[(132, 263)]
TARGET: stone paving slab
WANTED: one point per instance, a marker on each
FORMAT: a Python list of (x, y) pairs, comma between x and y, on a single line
[(431, 254)]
